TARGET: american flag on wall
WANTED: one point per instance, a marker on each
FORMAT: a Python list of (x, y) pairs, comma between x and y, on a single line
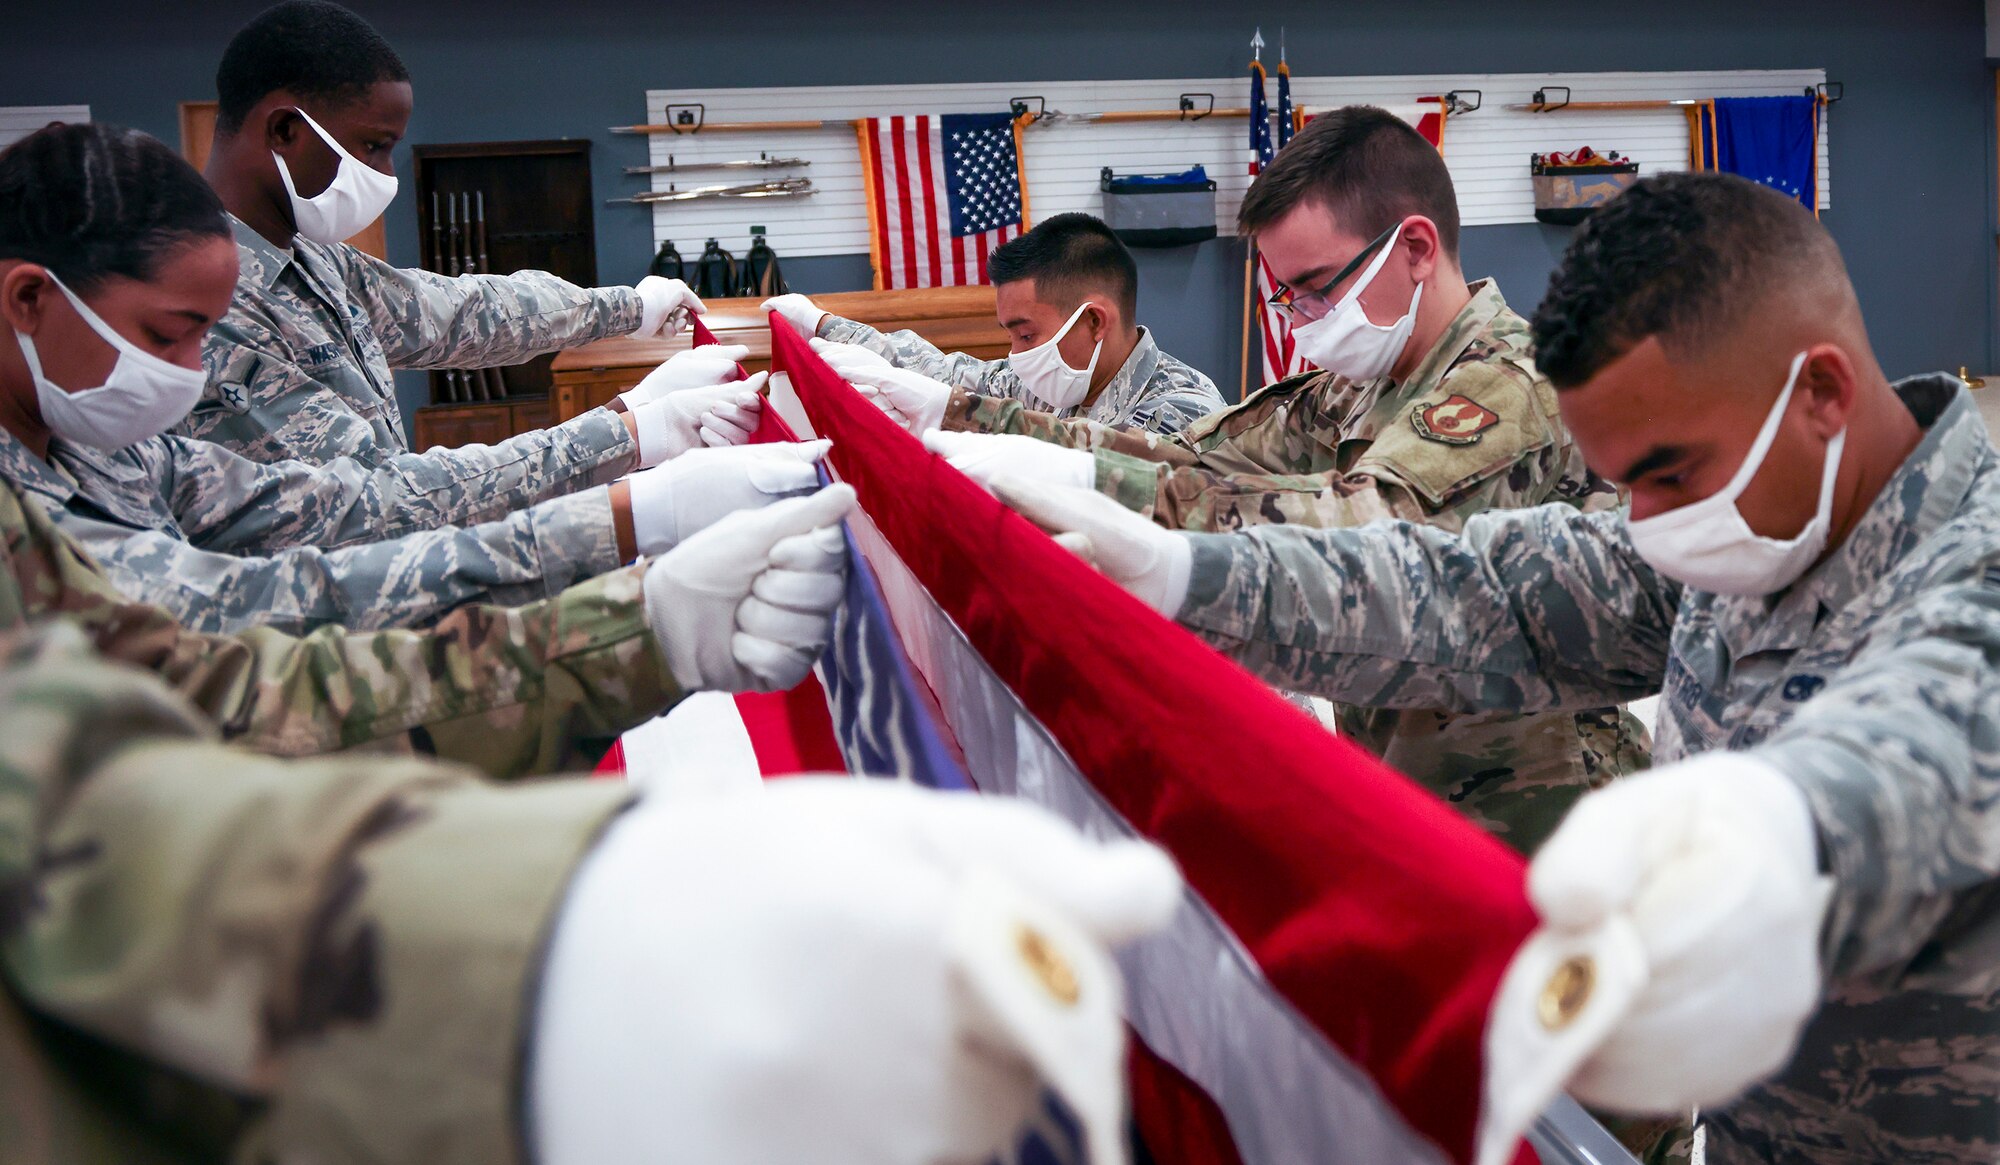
[(943, 191), (1279, 356)]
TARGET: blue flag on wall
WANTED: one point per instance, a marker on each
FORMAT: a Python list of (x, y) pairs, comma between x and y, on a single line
[(1772, 140)]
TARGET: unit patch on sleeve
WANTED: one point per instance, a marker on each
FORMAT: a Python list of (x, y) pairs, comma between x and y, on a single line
[(1454, 421)]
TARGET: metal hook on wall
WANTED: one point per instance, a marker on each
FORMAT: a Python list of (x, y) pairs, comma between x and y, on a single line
[(687, 118), (1542, 102), (1187, 106), (1828, 92), (1019, 106), (1458, 106)]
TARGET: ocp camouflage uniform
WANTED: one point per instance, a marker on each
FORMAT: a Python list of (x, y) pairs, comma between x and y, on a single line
[(212, 954), (511, 691), (298, 368), (1871, 682), (1151, 391), (1473, 428), (225, 543)]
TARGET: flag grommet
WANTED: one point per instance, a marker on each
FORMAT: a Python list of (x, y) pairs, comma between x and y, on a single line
[(1567, 991), (1053, 971)]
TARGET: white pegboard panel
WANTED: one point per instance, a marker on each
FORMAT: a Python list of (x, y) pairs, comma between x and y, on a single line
[(18, 121), (1487, 150)]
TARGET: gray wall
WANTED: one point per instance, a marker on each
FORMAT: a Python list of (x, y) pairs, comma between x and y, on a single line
[(1912, 144)]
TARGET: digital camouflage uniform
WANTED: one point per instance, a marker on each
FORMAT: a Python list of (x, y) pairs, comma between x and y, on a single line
[(1151, 390), (225, 543), (1473, 428), (299, 366), (1873, 682), (207, 952), (511, 691)]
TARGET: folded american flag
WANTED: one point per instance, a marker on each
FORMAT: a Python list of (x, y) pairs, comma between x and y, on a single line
[(1322, 997)]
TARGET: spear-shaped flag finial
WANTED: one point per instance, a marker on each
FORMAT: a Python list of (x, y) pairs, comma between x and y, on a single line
[(1257, 44)]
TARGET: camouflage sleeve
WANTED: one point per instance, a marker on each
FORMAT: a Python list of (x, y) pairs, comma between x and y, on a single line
[(227, 502), (1899, 756), (973, 412), (427, 320), (1526, 611), (510, 690), (1271, 459), (908, 350), (321, 939), (407, 581)]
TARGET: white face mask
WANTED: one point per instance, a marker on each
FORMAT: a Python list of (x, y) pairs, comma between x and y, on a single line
[(1045, 373), (1707, 544), (1346, 342), (356, 197), (143, 397)]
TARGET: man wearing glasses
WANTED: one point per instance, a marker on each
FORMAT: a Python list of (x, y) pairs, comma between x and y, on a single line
[(1428, 409)]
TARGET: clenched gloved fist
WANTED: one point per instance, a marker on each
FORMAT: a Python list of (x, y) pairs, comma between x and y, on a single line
[(1152, 564), (1681, 913), (747, 604), (987, 457), (664, 307), (703, 367), (798, 311), (702, 486), (846, 972), (912, 400), (726, 414)]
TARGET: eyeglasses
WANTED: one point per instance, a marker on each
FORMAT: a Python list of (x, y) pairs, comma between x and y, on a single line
[(1314, 304)]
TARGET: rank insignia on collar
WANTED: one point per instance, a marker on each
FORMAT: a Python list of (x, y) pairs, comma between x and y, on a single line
[(1454, 421)]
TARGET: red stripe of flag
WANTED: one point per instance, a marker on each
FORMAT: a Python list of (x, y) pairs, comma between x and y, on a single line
[(940, 217), (904, 191)]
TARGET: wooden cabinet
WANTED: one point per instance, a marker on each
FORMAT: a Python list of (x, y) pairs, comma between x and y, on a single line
[(480, 424), (534, 212), (956, 319)]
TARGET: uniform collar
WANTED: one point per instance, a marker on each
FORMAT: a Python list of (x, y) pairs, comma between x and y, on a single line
[(1132, 376), (30, 474), (260, 261), (1923, 494), (1385, 399)]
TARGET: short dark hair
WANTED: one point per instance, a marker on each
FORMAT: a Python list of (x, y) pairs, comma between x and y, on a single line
[(313, 48), (1067, 256), (93, 201), (1679, 256), (1364, 164)]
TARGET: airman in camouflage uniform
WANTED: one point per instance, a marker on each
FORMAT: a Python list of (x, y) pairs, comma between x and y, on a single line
[(511, 691), (1473, 428), (1869, 682), (299, 368), (284, 987), (226, 543), (1151, 391)]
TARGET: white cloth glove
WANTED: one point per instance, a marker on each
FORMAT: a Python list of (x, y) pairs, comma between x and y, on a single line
[(747, 604), (724, 414), (796, 310), (912, 400), (702, 486), (703, 367), (836, 971), (987, 457), (1692, 896), (664, 307), (1151, 563)]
